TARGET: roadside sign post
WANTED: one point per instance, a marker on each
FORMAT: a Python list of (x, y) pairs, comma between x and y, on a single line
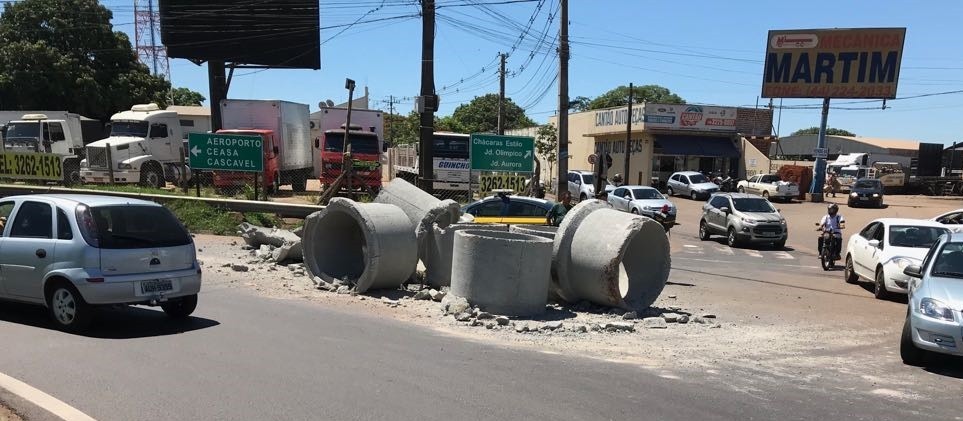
[(500, 153), (821, 153), (226, 152)]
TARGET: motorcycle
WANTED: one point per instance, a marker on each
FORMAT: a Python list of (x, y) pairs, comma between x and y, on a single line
[(829, 248), (662, 216), (726, 185)]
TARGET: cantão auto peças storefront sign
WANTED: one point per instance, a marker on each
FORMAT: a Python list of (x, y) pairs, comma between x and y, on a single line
[(833, 63), (671, 117)]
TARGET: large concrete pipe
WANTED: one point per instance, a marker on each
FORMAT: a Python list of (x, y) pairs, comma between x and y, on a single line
[(439, 251), (546, 231), (614, 258), (370, 245), (423, 209), (502, 272), (563, 245)]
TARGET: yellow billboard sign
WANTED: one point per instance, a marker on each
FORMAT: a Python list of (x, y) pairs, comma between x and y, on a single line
[(833, 63), (31, 166)]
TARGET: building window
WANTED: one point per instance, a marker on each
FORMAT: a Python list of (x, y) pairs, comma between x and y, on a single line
[(187, 123)]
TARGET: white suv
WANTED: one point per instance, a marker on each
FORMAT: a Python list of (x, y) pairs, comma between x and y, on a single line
[(581, 185), (73, 252)]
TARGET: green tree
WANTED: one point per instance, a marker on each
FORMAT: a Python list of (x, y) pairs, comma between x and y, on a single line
[(832, 131), (481, 115), (183, 96), (579, 104), (64, 55), (647, 93), (546, 145)]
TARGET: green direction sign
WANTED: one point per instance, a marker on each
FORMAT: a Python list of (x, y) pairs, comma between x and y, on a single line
[(491, 152), (228, 152)]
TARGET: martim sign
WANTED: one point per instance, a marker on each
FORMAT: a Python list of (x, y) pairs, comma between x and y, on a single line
[(833, 63)]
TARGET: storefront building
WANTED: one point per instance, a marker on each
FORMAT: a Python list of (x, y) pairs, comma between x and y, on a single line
[(666, 138)]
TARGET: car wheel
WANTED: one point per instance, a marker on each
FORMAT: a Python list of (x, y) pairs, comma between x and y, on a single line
[(779, 245), (582, 197), (68, 309), (150, 177), (670, 192), (694, 196), (765, 195), (276, 185), (181, 307), (635, 211), (908, 351), (704, 231), (731, 238), (879, 286), (849, 274), (742, 190)]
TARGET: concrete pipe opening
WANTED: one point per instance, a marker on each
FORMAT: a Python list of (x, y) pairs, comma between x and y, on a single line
[(368, 245), (502, 272), (439, 250), (618, 259)]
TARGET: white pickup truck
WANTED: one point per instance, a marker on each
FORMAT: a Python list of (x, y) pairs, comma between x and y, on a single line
[(769, 186)]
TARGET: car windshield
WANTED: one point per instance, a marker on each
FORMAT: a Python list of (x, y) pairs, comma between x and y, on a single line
[(753, 205), (23, 130), (914, 236), (646, 194), (366, 143), (129, 128), (698, 179), (133, 227), (949, 261), (867, 184)]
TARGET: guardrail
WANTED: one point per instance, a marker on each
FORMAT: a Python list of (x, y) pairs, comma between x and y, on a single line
[(285, 210)]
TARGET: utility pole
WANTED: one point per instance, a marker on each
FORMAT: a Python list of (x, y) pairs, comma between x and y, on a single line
[(562, 100), (628, 139), (501, 94), (819, 173), (391, 124), (429, 102)]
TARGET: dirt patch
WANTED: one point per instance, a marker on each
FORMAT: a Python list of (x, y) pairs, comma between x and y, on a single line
[(7, 415)]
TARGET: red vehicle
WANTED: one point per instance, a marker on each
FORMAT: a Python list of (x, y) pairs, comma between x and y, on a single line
[(366, 149), (270, 180)]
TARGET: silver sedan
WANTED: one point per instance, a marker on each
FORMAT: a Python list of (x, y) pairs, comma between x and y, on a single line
[(934, 320)]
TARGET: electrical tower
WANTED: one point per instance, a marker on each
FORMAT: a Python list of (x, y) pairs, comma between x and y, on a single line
[(147, 38)]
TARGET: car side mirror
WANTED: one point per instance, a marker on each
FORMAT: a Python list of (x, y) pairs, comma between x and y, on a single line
[(874, 243), (725, 209), (913, 271)]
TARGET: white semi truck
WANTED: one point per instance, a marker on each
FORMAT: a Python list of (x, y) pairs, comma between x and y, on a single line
[(144, 148), (59, 134)]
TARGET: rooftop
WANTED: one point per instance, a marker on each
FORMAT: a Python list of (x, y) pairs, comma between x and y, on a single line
[(190, 110)]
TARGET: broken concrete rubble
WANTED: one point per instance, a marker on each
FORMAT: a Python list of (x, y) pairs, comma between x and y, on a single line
[(370, 244), (654, 323), (453, 304), (258, 237)]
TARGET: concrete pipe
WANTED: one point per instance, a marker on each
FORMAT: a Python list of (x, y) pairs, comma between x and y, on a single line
[(370, 245), (562, 247), (615, 259), (546, 231), (439, 251), (502, 272), (423, 209)]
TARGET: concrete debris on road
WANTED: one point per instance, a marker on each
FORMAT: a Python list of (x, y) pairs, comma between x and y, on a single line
[(453, 304), (421, 295), (436, 295), (670, 317), (655, 323), (631, 315), (619, 327), (237, 267), (273, 244)]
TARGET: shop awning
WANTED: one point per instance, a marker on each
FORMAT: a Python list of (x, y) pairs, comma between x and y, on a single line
[(713, 146)]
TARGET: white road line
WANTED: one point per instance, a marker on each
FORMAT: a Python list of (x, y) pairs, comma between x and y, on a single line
[(783, 255), (43, 400), (690, 246), (725, 250), (729, 262), (753, 253)]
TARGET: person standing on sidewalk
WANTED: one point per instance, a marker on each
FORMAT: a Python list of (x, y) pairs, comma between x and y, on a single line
[(558, 212)]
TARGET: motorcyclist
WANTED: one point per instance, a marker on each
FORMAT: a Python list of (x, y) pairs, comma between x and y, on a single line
[(833, 223)]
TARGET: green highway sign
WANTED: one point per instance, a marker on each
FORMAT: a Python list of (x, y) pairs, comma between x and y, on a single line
[(491, 152), (227, 152)]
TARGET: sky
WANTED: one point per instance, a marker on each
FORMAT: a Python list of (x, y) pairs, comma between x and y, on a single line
[(708, 52)]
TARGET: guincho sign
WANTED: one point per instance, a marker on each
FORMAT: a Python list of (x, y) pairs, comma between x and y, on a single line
[(833, 63)]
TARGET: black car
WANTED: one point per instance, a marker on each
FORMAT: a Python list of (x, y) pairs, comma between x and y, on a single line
[(866, 192)]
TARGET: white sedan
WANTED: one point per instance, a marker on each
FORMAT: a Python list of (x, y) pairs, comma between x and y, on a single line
[(885, 247), (953, 220)]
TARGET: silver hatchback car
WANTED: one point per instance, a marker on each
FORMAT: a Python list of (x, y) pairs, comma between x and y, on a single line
[(743, 218), (73, 252), (934, 319)]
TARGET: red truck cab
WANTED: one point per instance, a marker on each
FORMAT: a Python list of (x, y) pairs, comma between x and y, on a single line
[(366, 150), (270, 180)]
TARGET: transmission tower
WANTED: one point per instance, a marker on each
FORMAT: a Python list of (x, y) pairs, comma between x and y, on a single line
[(147, 37)]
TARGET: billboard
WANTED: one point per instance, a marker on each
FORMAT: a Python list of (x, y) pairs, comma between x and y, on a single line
[(833, 63), (671, 117), (277, 33)]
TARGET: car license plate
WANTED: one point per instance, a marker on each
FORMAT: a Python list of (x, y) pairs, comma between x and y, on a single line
[(768, 234), (863, 198), (156, 286)]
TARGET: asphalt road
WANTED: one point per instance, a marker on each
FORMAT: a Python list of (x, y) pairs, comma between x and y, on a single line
[(249, 357)]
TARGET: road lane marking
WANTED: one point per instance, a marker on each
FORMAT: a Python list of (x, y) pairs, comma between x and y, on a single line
[(783, 255), (725, 250), (729, 262), (753, 253), (43, 400)]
